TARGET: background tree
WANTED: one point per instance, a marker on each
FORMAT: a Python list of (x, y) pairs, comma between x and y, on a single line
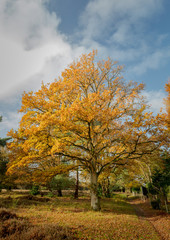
[(3, 167), (159, 186), (3, 141), (4, 180), (89, 115), (61, 182)]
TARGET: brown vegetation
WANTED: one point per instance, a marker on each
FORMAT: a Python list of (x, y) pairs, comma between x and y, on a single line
[(13, 227), (66, 218)]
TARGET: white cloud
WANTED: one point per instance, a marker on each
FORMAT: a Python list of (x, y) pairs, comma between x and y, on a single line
[(10, 121), (29, 40), (32, 50), (118, 29), (117, 17), (27, 22), (155, 100), (152, 61)]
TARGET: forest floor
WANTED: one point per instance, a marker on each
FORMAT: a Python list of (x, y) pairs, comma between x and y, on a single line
[(43, 218)]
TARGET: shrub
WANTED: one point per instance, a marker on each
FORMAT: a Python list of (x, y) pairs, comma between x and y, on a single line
[(50, 194), (155, 204), (35, 190), (13, 226), (5, 215), (136, 189)]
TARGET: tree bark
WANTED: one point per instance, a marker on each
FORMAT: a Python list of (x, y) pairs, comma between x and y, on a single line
[(95, 200)]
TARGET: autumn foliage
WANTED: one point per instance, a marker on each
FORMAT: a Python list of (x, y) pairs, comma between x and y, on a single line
[(90, 115)]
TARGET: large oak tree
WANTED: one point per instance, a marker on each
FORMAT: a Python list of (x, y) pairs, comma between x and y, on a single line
[(89, 115)]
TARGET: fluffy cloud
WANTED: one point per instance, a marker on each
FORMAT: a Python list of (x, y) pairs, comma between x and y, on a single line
[(119, 17), (152, 61), (29, 41), (119, 29), (32, 50)]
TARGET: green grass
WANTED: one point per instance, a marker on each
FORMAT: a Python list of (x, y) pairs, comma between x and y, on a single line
[(117, 219)]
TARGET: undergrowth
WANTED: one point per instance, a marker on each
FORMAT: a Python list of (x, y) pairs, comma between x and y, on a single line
[(13, 227)]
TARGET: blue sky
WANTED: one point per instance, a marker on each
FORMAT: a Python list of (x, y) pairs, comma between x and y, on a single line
[(39, 38)]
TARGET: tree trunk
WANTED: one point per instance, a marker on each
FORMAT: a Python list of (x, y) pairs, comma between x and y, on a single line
[(76, 193), (95, 200), (59, 192), (108, 188)]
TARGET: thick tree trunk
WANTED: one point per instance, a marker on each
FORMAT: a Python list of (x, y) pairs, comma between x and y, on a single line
[(95, 200)]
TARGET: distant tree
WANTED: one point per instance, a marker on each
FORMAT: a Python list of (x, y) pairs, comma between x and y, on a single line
[(161, 182), (34, 190), (61, 182), (4, 181), (3, 169), (3, 141)]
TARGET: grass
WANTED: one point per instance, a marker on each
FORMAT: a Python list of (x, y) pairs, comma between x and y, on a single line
[(73, 219)]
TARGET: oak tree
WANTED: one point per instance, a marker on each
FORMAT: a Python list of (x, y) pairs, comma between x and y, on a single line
[(89, 115)]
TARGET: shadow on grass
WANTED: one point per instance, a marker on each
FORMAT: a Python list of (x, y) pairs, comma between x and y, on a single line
[(117, 205), (23, 201)]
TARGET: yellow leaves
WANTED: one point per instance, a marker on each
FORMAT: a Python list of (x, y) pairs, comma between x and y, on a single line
[(57, 147), (117, 149), (89, 112)]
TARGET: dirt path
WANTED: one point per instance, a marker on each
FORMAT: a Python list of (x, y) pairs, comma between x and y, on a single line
[(159, 220)]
